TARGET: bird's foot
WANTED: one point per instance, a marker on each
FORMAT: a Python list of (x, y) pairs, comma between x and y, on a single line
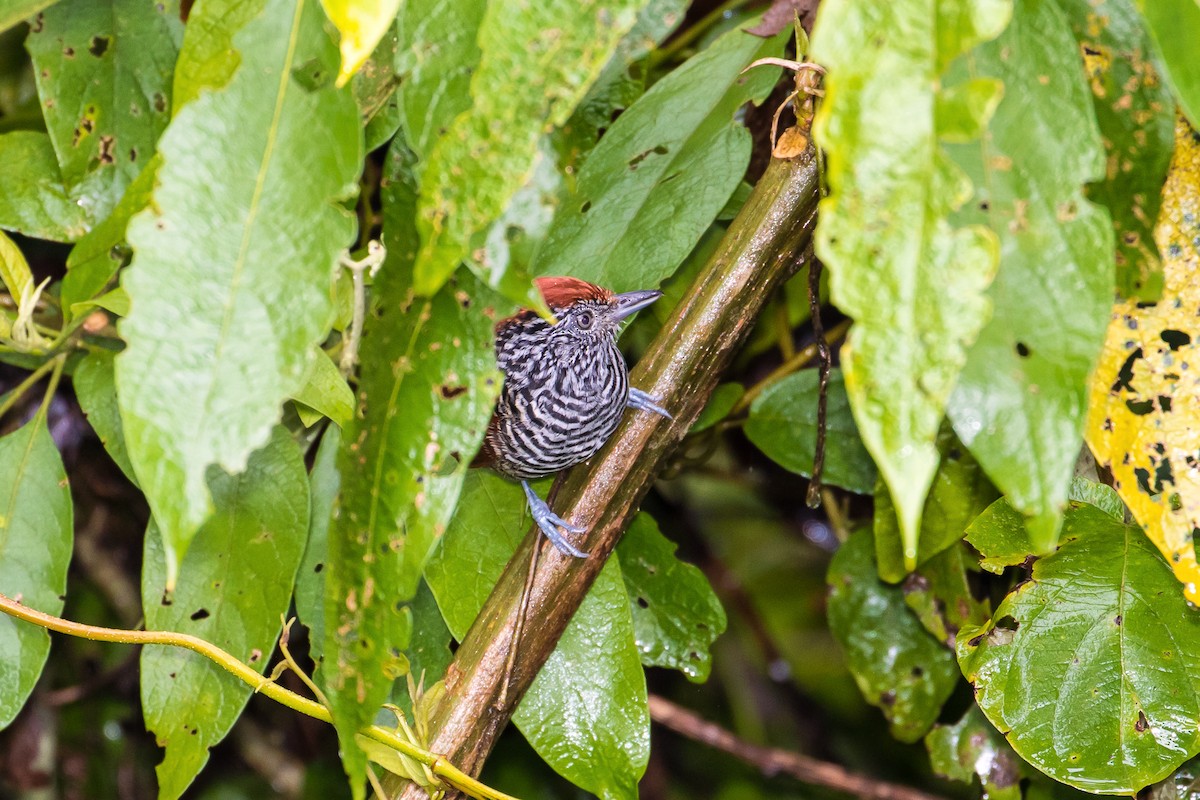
[(550, 522), (646, 402)]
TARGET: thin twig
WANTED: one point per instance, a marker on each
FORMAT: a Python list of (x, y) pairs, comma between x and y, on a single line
[(772, 761), (376, 253), (262, 685), (824, 362), (24, 386), (801, 359)]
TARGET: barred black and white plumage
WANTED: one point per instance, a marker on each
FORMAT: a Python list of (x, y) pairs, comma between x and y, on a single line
[(565, 388)]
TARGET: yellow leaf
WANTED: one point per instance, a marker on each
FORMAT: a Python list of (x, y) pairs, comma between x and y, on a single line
[(362, 23), (1144, 410)]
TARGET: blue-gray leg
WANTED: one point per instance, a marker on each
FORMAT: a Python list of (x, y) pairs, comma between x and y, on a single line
[(645, 402), (550, 522)]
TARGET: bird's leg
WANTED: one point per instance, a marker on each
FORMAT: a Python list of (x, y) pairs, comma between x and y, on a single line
[(646, 402), (550, 522)]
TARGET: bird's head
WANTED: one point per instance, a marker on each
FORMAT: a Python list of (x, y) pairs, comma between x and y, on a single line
[(587, 311)]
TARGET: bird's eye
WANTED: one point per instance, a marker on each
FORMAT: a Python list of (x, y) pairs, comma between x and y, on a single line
[(584, 320)]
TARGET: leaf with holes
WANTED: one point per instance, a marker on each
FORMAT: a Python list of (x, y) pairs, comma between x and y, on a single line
[(898, 666), (586, 713), (36, 533), (971, 748), (536, 63), (229, 295), (104, 70), (1134, 108), (427, 386), (1143, 422), (662, 172), (913, 281), (1091, 668), (783, 424), (1021, 399), (676, 615), (226, 597)]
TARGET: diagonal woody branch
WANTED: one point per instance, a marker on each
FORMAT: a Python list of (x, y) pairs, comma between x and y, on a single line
[(682, 366)]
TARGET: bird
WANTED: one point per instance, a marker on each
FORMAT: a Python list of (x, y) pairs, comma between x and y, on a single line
[(565, 389)]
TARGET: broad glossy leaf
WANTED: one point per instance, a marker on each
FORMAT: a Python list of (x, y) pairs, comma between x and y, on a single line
[(95, 387), (1091, 667), (913, 281), (325, 392), (324, 482), (959, 494), (1099, 495), (898, 666), (536, 63), (14, 269), (362, 24), (1134, 109), (1022, 398), (210, 56), (940, 595), (233, 591), (972, 748), (437, 54), (229, 295), (662, 172), (104, 71), (35, 200), (676, 615), (1173, 24), (427, 386), (36, 533), (586, 711), (783, 424), (1143, 420)]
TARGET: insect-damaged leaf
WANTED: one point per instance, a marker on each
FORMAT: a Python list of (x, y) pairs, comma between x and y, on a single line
[(233, 591), (427, 386), (1090, 667), (229, 295), (1021, 399), (536, 63), (1144, 418), (913, 282)]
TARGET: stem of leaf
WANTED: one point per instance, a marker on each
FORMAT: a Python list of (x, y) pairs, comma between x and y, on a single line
[(54, 364), (358, 269), (693, 33), (262, 685)]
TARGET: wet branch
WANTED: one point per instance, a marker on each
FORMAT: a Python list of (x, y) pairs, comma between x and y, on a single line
[(683, 366)]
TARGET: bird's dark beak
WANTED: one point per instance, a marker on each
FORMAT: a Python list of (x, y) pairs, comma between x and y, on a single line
[(630, 302)]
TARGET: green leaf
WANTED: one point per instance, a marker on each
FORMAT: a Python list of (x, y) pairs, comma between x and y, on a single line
[(1173, 25), (375, 88), (662, 172), (437, 54), (325, 391), (104, 70), (913, 282), (1134, 109), (427, 387), (209, 56), (1022, 396), (1102, 497), (783, 424), (960, 493), (1090, 667), (362, 24), (720, 403), (324, 483), (233, 591), (536, 63), (940, 595), (971, 748), (36, 533), (586, 713), (96, 390), (230, 296), (428, 653), (14, 269), (898, 666), (676, 615), (15, 12), (35, 200)]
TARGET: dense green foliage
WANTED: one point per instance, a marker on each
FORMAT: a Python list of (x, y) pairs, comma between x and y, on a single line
[(281, 414)]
